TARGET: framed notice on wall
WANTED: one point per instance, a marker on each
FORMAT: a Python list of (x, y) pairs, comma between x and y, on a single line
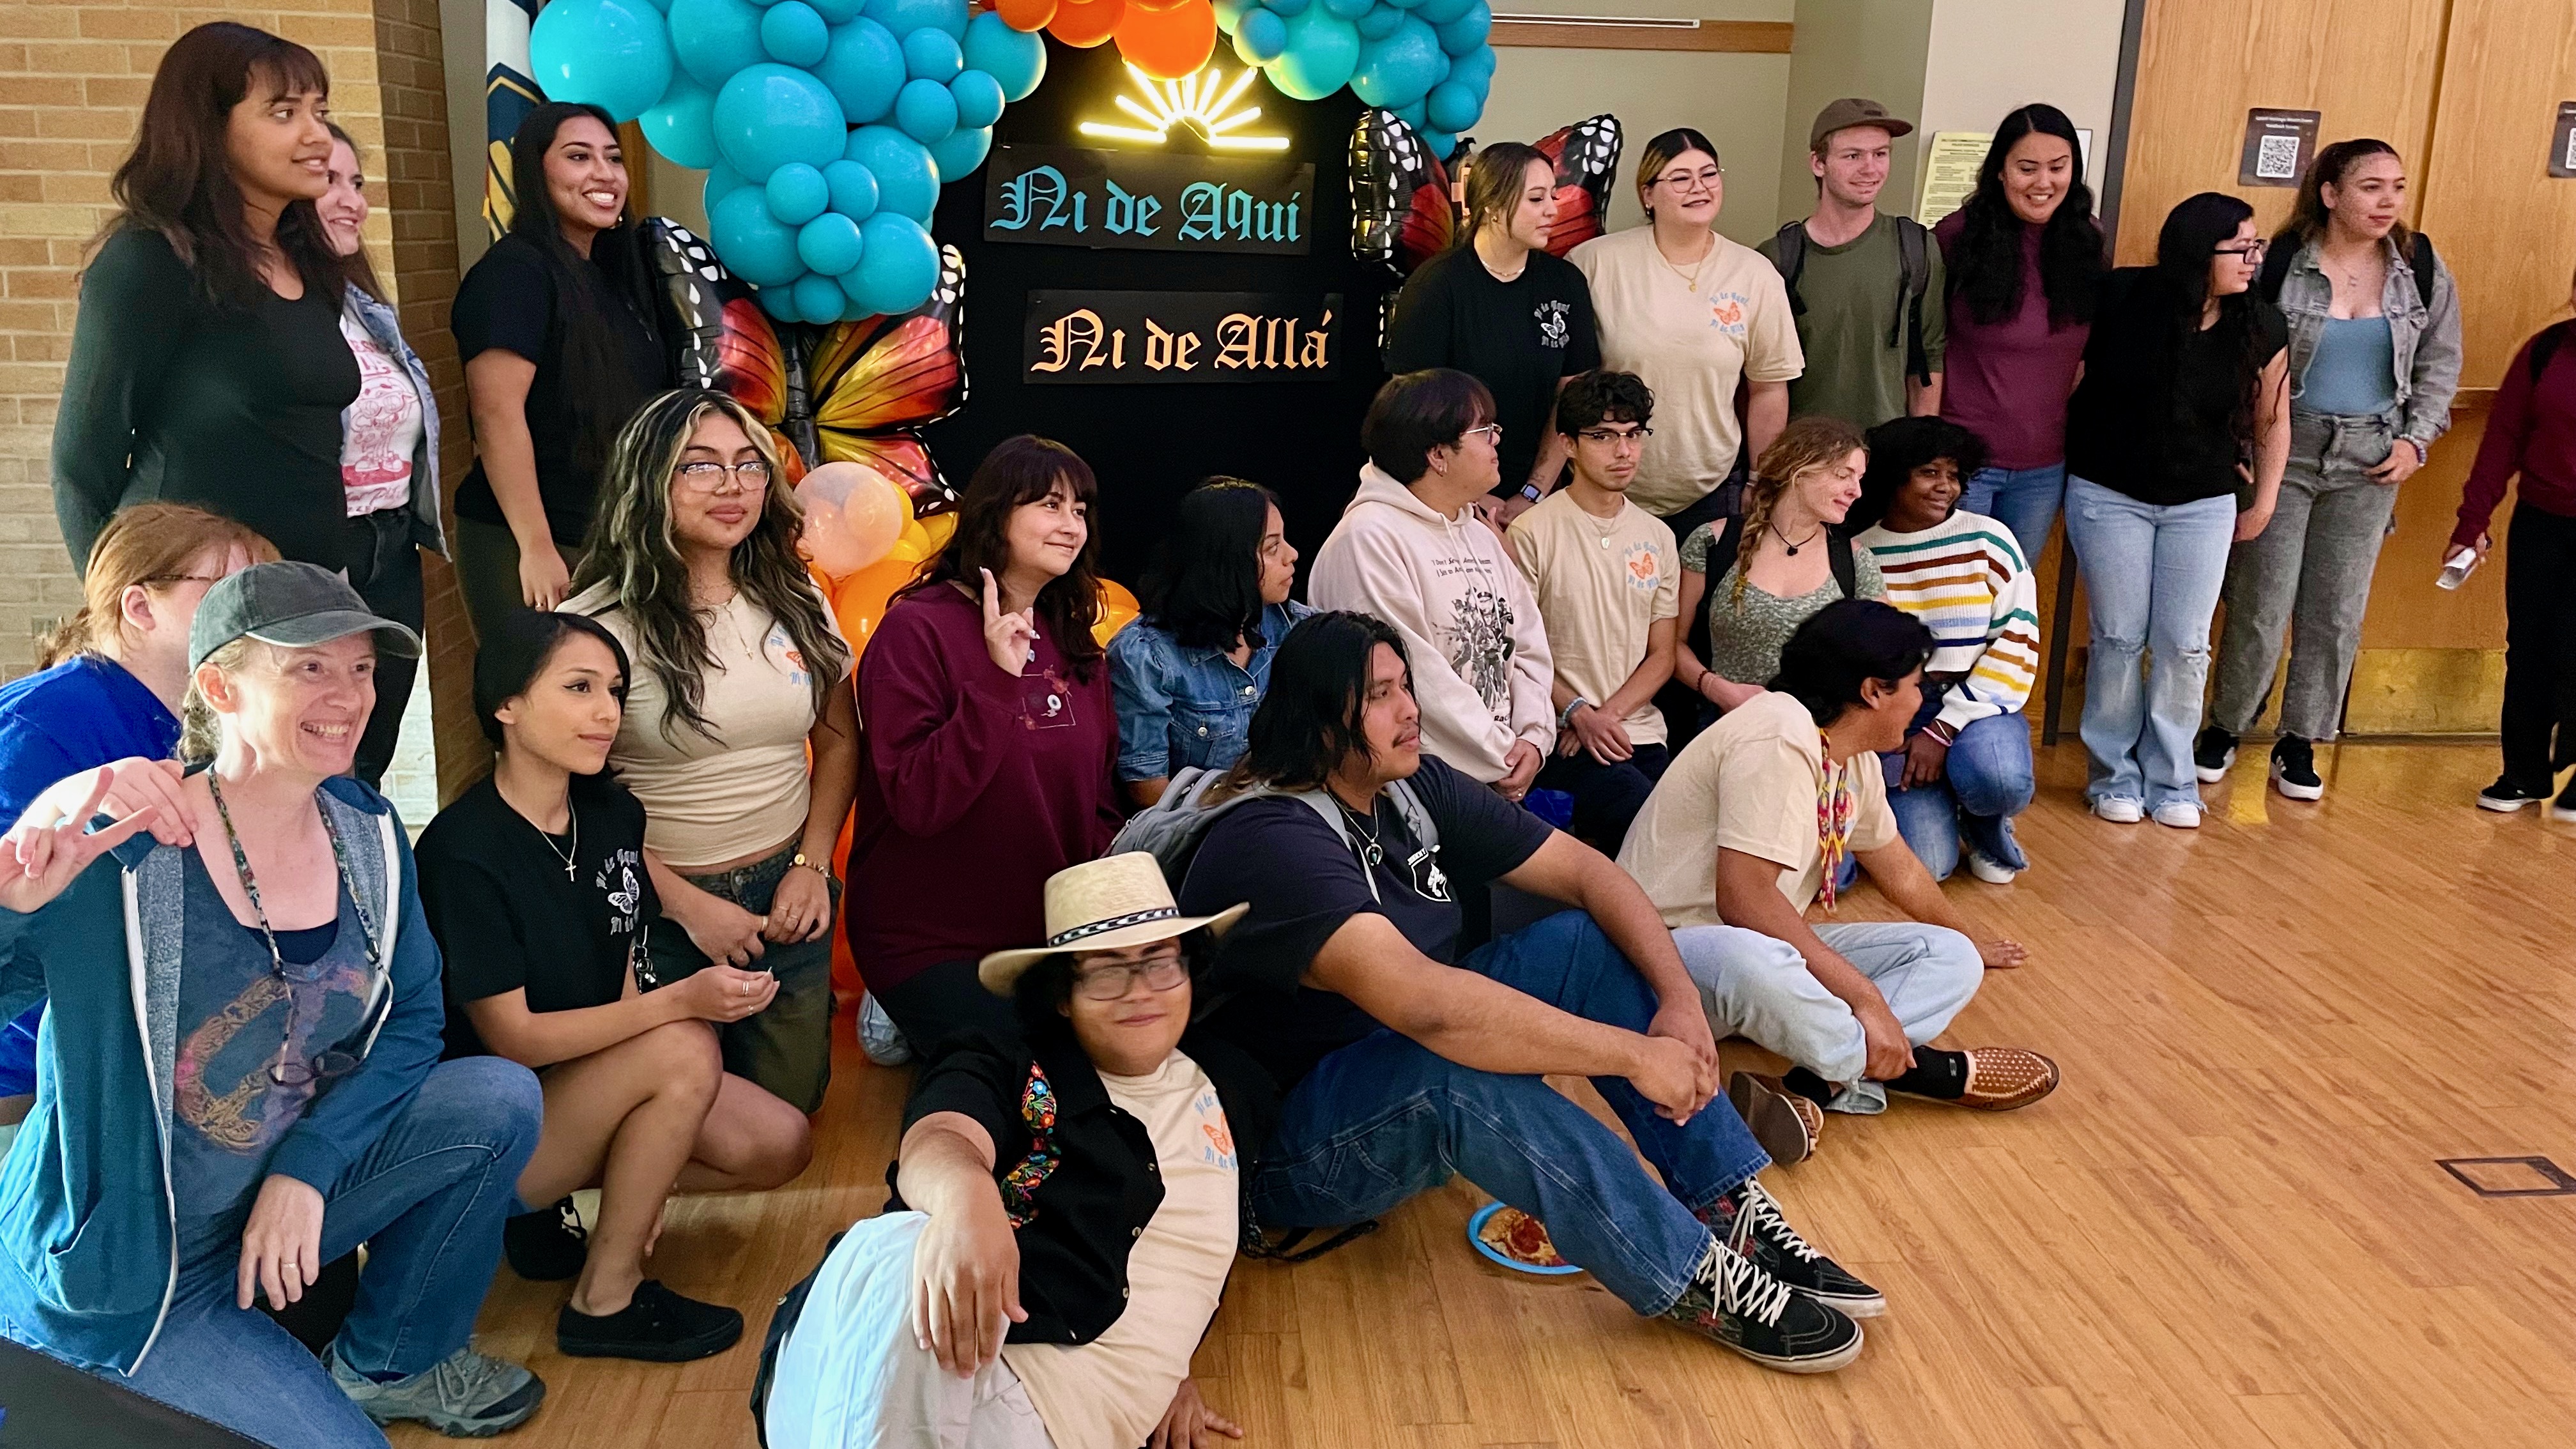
[(1950, 163), (2277, 146), (2562, 142)]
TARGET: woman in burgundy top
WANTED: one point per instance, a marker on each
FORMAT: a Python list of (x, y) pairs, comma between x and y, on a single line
[(2024, 257), (2531, 431), (990, 737)]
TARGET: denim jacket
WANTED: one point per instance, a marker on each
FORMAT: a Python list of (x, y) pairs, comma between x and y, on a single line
[(381, 324), (1179, 706), (2427, 340)]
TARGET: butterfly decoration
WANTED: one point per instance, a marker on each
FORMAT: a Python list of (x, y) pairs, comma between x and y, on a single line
[(1404, 209), (849, 392), (1587, 162)]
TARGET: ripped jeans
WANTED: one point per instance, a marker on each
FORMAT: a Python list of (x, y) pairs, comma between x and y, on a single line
[(2152, 575)]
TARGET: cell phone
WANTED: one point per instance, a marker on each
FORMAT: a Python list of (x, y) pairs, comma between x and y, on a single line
[(2457, 568)]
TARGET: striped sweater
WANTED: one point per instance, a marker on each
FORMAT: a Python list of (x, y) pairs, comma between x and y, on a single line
[(1966, 581)]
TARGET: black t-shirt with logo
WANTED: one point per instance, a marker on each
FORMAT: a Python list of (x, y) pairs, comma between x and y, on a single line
[(1302, 882), (507, 915), (1520, 338)]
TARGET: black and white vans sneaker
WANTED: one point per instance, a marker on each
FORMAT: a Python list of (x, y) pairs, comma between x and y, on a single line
[(2212, 754), (2505, 797), (1732, 1300), (1750, 1221), (2294, 769), (548, 1245)]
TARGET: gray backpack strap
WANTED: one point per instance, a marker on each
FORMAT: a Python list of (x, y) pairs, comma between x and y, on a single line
[(1323, 803)]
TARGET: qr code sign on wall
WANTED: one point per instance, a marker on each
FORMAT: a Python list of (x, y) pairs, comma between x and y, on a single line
[(2277, 158)]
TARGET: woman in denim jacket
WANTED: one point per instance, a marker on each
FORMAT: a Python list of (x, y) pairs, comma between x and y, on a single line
[(1190, 672), (2374, 360), (392, 489)]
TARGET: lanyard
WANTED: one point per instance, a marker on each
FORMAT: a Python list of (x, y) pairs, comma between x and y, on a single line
[(1834, 811)]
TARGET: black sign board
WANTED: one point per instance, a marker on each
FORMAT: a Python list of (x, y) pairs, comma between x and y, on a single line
[(2278, 145), (2562, 142), (1148, 201), (1150, 337)]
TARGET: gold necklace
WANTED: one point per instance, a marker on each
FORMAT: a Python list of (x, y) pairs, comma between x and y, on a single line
[(1690, 278)]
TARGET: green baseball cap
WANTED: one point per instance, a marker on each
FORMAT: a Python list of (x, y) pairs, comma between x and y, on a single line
[(294, 606), (1853, 111)]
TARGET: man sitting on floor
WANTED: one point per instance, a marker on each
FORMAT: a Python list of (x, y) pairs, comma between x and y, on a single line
[(1401, 1068), (1755, 817)]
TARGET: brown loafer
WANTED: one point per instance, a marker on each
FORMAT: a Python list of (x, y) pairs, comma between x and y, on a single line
[(2001, 1079), (1787, 1125)]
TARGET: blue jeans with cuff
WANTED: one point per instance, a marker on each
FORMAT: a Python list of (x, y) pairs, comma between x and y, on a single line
[(1758, 987), (1987, 778)]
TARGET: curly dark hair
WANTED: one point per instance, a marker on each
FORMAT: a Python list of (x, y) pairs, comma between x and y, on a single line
[(1896, 449), (1602, 396), (1984, 264)]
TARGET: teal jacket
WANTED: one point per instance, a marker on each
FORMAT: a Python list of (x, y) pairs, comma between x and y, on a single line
[(88, 1230)]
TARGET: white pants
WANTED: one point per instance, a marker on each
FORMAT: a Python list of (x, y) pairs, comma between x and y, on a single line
[(1758, 987), (851, 1375)]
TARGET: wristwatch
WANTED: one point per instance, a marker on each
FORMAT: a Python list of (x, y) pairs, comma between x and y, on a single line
[(821, 868), (1565, 716), (1531, 492)]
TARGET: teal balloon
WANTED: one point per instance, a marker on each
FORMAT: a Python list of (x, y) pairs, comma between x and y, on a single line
[(926, 110), (722, 181), (1229, 13), (1403, 4), (1468, 31), (962, 152), (1349, 9), (907, 179), (830, 244), (1438, 143), (1379, 23), (1453, 107), (769, 115), (1016, 59), (1410, 115), (979, 99), (683, 126), (780, 302), (660, 7), (613, 54), (838, 12), (853, 188), (797, 193), (751, 242), (819, 299), (930, 54), (864, 69), (1441, 12), (899, 268), (793, 33), (712, 39), (1285, 8), (903, 17), (1400, 69), (1475, 69), (1322, 52), (1261, 38)]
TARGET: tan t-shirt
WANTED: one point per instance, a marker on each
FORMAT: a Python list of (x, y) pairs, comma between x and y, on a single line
[(747, 789), (1600, 587), (1748, 783), (1690, 346), (1109, 1393)]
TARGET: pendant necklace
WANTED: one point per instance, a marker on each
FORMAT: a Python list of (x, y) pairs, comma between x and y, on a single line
[(566, 856), (1794, 547), (1371, 852)]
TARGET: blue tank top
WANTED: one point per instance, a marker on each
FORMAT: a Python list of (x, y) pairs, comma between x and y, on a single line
[(2353, 372)]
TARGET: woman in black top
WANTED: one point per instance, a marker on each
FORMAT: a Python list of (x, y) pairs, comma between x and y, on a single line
[(561, 340), (1500, 308), (2175, 444), (207, 365), (534, 884)]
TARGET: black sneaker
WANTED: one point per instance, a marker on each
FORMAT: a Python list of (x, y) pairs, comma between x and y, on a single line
[(2212, 754), (2563, 808), (1750, 1222), (1733, 1300), (2294, 769), (659, 1326), (548, 1245), (2506, 797)]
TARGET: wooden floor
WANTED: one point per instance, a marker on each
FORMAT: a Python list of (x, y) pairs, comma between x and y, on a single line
[(2227, 1229)]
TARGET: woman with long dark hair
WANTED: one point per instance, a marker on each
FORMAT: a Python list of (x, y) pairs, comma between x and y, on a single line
[(2024, 261), (207, 365), (560, 337), (2175, 445), (739, 735), (1503, 309), (1189, 672), (991, 738), (2374, 325)]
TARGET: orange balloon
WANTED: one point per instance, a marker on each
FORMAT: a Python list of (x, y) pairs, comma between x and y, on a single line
[(860, 601), (1083, 24), (938, 528), (1155, 4), (1026, 14), (1118, 609), (1168, 44)]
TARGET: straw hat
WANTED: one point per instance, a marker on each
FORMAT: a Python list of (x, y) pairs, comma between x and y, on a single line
[(1104, 905)]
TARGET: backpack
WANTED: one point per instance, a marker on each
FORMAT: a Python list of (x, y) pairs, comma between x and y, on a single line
[(1171, 829), (1913, 249), (1838, 554), (2276, 269)]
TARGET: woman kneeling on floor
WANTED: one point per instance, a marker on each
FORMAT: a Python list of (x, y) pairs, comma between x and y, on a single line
[(1065, 1212), (535, 885)]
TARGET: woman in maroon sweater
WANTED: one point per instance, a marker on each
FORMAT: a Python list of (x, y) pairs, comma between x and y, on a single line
[(2531, 431), (990, 737)]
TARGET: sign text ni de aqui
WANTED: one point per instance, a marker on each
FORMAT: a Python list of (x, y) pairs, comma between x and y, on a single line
[(1142, 201)]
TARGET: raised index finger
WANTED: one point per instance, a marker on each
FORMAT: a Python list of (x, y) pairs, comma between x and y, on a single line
[(992, 597)]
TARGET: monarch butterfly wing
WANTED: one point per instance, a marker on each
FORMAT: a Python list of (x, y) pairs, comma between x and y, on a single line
[(876, 378), (1586, 155), (726, 341), (1387, 167), (901, 457), (1431, 215)]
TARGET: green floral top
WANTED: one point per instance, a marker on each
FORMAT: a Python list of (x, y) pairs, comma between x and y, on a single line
[(1744, 639)]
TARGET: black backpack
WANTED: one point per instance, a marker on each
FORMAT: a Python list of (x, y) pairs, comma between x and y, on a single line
[(2276, 269), (1913, 248)]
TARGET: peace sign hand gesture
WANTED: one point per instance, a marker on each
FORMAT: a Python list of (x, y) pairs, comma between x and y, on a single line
[(37, 860), (1010, 638)]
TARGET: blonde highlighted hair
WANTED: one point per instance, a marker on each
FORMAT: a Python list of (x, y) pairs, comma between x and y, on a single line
[(1802, 447), (146, 546)]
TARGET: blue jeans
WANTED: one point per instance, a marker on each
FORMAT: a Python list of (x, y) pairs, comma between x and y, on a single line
[(1385, 1118), (427, 1199), (1988, 776), (1758, 987), (2024, 499), (2152, 574)]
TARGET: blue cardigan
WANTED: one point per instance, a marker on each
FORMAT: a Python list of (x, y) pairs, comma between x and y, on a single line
[(88, 1232)]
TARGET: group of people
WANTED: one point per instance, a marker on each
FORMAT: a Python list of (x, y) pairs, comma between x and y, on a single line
[(1255, 918)]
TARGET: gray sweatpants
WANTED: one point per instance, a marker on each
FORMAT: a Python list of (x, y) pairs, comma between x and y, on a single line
[(2308, 574)]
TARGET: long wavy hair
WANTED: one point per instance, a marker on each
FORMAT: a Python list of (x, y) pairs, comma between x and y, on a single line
[(177, 181), (150, 545), (1984, 265), (1809, 443), (2179, 290), (1204, 588), (1021, 471), (633, 550), (361, 269), (2309, 214)]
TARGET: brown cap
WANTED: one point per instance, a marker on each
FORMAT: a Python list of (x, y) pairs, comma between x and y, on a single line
[(1853, 111)]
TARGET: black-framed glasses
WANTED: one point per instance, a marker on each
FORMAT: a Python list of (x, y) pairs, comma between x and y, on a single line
[(1636, 436), (750, 475), (2251, 251), (1108, 983)]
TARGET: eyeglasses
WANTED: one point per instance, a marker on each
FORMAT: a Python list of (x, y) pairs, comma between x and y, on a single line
[(167, 579), (750, 474), (1634, 437), (289, 1070), (2251, 251), (1684, 183), (1493, 434), (1108, 983)]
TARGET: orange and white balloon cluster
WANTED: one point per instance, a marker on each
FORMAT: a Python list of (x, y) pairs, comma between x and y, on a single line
[(1167, 39)]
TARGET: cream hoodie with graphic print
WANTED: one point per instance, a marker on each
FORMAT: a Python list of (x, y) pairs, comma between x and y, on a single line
[(1481, 670)]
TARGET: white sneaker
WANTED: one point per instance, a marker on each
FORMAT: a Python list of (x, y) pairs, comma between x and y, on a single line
[(2120, 809), (2180, 814), (1988, 869)]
